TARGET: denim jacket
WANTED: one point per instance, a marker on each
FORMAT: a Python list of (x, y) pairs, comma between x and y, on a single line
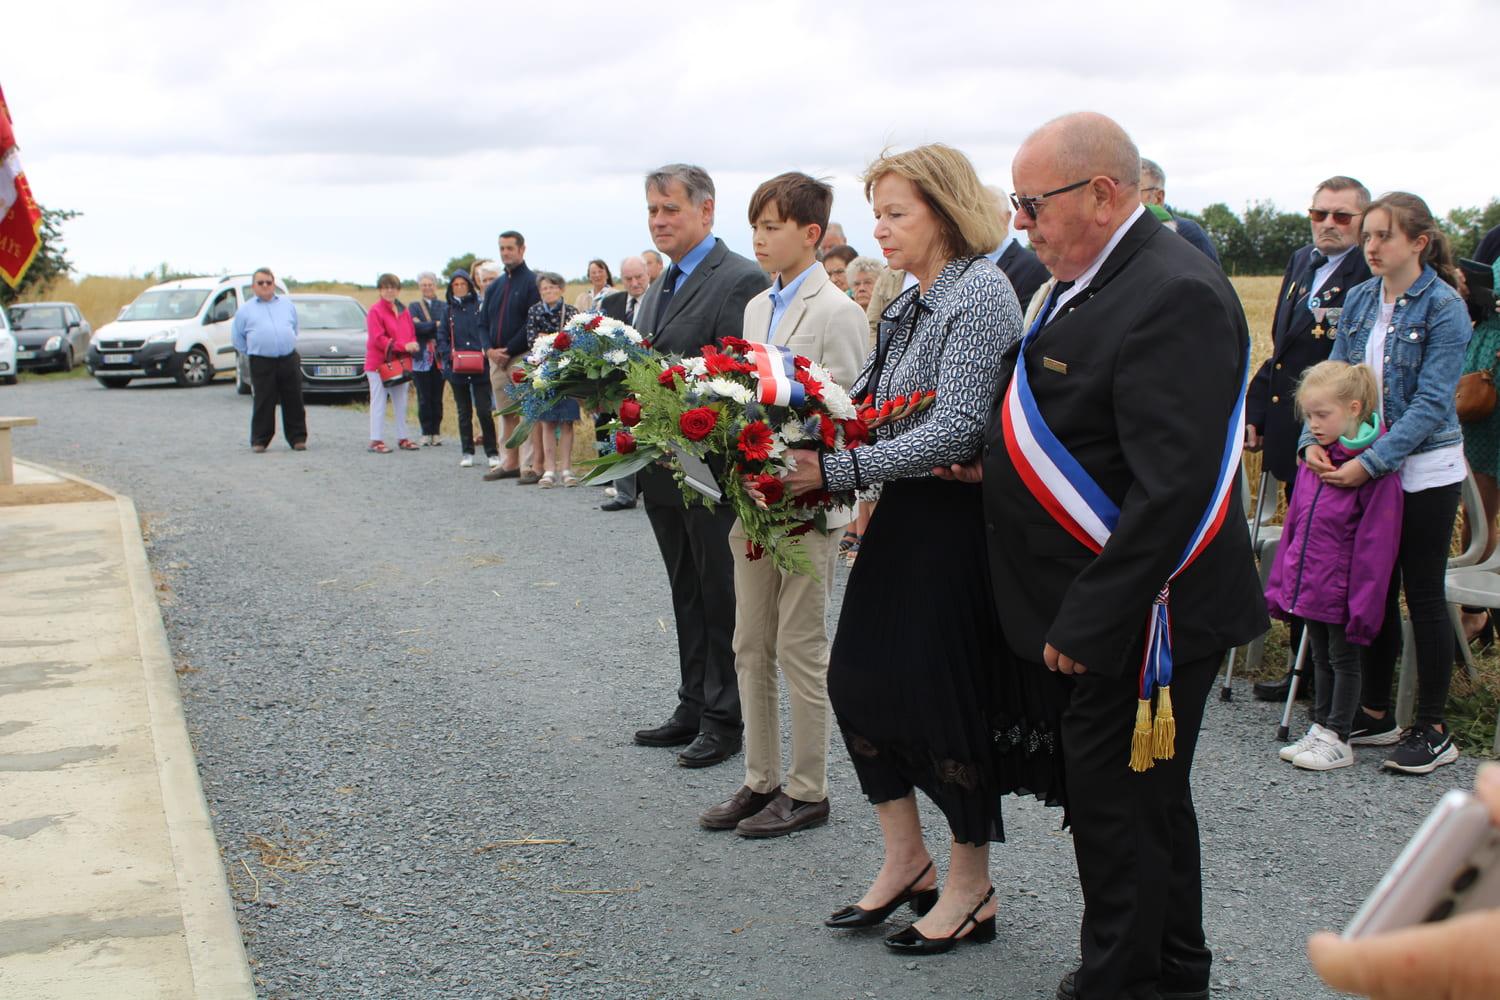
[(1424, 347)]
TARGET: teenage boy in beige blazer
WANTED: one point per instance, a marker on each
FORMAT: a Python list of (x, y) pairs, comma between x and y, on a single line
[(779, 616)]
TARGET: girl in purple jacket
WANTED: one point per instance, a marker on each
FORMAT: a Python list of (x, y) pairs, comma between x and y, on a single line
[(1337, 551)]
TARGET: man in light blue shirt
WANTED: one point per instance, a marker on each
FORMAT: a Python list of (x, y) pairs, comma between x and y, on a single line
[(265, 331)]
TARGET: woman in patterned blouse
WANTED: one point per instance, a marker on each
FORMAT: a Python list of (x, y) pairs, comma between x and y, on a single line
[(921, 681)]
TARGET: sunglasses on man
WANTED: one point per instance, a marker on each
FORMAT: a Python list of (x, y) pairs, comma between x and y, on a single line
[(263, 281), (1342, 218), (1030, 203)]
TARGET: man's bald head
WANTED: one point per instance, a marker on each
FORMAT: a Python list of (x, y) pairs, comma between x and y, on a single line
[(1088, 144), (1076, 178)]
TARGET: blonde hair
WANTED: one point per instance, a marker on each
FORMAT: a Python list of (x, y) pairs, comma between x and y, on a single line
[(1345, 381), (967, 211)]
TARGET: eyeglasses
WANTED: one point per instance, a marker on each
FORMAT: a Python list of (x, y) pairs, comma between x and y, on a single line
[(1029, 204), (1342, 218), (1145, 189), (261, 281)]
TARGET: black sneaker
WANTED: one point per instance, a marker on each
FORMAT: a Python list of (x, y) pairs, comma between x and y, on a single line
[(1422, 750), (1369, 731)]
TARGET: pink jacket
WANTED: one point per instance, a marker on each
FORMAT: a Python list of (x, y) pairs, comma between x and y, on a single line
[(385, 328)]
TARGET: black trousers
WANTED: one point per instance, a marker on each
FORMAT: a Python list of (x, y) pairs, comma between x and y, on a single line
[(694, 544), (429, 400), (471, 399), (1421, 565), (277, 381), (1136, 840)]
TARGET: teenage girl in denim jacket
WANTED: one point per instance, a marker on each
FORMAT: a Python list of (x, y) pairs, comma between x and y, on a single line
[(1410, 326)]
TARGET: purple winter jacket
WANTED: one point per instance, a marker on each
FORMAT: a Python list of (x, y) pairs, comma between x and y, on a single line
[(1337, 551)]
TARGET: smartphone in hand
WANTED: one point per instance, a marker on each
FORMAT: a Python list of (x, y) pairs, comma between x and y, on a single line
[(1451, 866)]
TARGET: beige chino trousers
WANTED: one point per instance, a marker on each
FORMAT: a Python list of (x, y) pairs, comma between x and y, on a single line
[(500, 385), (779, 623)]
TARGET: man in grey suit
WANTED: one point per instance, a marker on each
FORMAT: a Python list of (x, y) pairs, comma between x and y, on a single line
[(697, 301)]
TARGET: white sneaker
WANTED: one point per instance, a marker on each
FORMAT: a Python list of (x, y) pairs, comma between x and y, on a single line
[(494, 462), (1326, 754), (467, 462), (1289, 753)]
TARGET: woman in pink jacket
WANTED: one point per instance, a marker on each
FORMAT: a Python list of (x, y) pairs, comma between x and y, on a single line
[(390, 333)]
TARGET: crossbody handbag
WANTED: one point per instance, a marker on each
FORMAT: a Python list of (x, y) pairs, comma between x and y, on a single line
[(1476, 396), (464, 362)]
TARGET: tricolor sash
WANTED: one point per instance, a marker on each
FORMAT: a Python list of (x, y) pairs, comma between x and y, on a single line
[(1069, 494), (776, 368)]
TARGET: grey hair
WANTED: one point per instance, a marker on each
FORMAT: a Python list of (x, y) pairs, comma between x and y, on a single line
[(487, 266), (552, 277), (1152, 171), (694, 180), (864, 265), (633, 257), (1092, 144), (654, 255), (422, 275), (1002, 198)]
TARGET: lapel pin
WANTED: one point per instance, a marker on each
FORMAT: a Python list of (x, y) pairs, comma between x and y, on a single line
[(1055, 366)]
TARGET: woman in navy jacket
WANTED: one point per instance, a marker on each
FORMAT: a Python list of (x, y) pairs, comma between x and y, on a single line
[(464, 331)]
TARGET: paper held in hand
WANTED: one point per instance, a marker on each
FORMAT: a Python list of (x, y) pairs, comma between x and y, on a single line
[(697, 474)]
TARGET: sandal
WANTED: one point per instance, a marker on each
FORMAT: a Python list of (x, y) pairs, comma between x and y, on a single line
[(848, 542), (568, 479), (405, 444), (379, 446), (547, 481)]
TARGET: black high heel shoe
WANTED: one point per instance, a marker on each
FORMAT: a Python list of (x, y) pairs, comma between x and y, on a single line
[(910, 941), (857, 916)]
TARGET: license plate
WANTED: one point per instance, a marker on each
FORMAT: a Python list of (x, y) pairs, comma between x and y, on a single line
[(334, 371), (25, 355), (118, 359)]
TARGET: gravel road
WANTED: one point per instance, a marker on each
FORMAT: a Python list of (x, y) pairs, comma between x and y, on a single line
[(390, 668)]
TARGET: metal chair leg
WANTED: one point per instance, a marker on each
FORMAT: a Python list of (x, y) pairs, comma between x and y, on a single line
[(1284, 731)]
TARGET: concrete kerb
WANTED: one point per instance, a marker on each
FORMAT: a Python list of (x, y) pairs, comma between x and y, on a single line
[(216, 950)]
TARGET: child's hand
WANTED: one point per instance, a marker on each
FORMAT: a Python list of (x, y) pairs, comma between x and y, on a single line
[(1316, 459), (1349, 475)]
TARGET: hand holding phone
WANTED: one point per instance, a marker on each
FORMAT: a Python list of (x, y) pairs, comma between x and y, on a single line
[(1429, 930)]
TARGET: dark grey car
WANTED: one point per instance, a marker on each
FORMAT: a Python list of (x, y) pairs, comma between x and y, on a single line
[(331, 341), (50, 336)]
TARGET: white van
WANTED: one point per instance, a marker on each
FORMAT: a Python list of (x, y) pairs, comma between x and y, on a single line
[(178, 330)]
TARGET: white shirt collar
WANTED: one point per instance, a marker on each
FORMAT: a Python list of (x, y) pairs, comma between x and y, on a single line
[(1082, 281)]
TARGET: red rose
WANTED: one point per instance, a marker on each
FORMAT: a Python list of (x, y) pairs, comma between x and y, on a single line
[(754, 551), (624, 442), (593, 324), (856, 432), (677, 371), (736, 344), (562, 342), (517, 375), (645, 342), (755, 441), (770, 487), (698, 423), (827, 430), (630, 413)]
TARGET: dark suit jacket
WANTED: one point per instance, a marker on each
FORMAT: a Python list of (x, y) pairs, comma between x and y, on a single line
[(1298, 342), (708, 307), (614, 304), (1025, 272), (1152, 351), (509, 331), (1194, 234)]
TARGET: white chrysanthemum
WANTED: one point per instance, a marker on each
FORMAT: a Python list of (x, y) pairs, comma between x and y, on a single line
[(696, 367), (838, 402), (791, 432), (730, 389), (562, 362), (630, 334), (538, 381), (616, 357), (543, 343)]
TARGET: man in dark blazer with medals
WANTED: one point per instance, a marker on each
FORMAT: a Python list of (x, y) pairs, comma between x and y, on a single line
[(1312, 292), (696, 302), (1136, 368)]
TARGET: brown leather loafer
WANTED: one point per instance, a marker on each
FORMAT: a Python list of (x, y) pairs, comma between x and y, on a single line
[(258, 448), (741, 805), (300, 446), (783, 815)]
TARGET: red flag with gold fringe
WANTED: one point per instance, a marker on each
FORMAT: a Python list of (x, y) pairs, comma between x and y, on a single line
[(20, 217)]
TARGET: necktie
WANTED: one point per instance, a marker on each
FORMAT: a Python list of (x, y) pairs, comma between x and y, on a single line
[(1057, 293), (668, 289), (630, 311), (1315, 260)]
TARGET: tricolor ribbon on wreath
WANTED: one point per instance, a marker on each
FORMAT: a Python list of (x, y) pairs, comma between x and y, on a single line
[(1069, 494), (777, 369)]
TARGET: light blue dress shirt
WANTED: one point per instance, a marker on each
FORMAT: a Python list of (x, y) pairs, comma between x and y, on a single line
[(266, 329), (781, 297), (996, 254), (691, 260)]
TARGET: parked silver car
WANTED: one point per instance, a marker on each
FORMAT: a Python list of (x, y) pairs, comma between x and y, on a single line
[(331, 342), (51, 336)]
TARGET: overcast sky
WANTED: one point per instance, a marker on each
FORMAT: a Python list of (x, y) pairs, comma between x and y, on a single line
[(339, 140)]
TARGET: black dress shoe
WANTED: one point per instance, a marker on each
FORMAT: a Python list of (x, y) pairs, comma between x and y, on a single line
[(1276, 690), (618, 505), (910, 941), (1067, 990), (709, 749), (855, 916), (669, 734)]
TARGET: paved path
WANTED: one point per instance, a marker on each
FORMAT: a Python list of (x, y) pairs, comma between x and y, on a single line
[(391, 668), (110, 880)]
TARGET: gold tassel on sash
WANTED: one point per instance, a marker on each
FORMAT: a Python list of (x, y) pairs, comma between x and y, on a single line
[(1140, 741), (1164, 732)]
